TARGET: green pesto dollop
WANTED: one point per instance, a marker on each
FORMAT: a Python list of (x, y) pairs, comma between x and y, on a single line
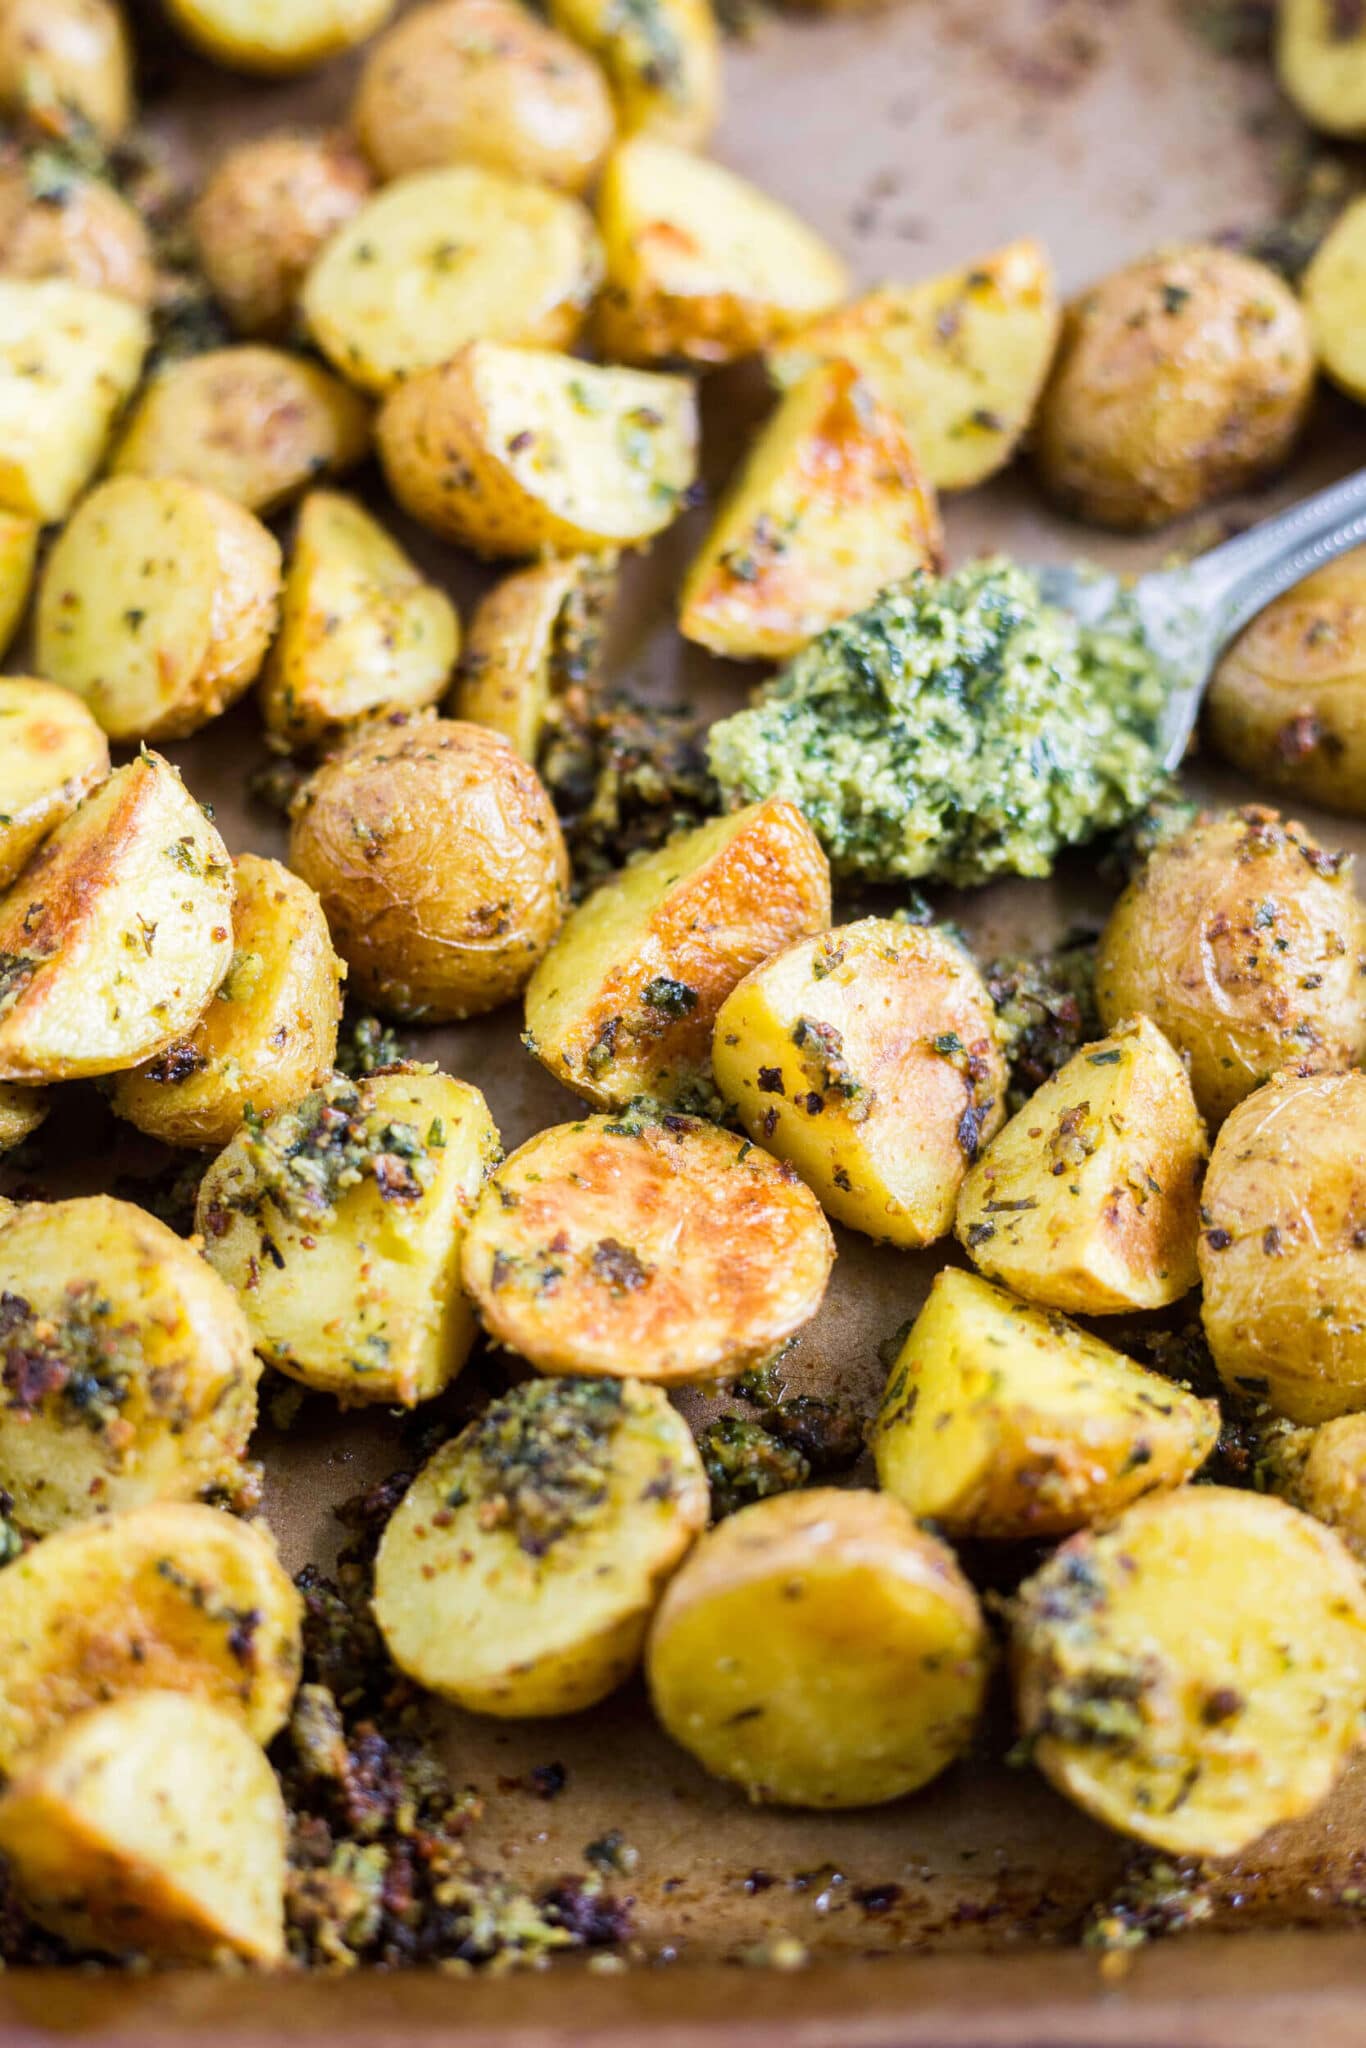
[(958, 728)]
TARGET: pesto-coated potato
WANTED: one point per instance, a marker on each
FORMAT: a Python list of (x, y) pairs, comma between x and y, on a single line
[(999, 1420), (1245, 943), (22, 1110), (1179, 379), (1193, 1674), (1334, 291), (624, 1002), (662, 59), (59, 223), (117, 933), (819, 1649), (520, 1570), (69, 358), (67, 63), (440, 864), (868, 1058), (270, 1032), (512, 450), (339, 1221), (535, 634), (18, 555), (157, 604), (127, 1365), (52, 753), (266, 209), (1323, 1471), (1089, 1199), (170, 1598), (1321, 63), (663, 1251), (261, 36), (483, 82)]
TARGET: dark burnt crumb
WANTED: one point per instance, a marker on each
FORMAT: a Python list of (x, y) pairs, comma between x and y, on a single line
[(612, 1854), (758, 1881), (548, 1780), (1316, 182), (367, 1045), (274, 783), (877, 1898), (1166, 814), (1182, 1354), (12, 1542), (1157, 1895), (624, 776), (1046, 1008), (586, 1915), (799, 1439), (1233, 28)]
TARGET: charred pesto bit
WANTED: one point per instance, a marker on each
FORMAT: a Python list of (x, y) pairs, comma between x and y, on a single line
[(1047, 1011), (305, 1158), (745, 1462), (624, 776), (367, 1045), (538, 1461)]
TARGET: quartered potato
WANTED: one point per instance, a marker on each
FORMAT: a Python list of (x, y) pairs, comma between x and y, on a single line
[(69, 358), (624, 1002), (52, 753), (253, 423), (157, 604), (1323, 1471), (446, 257), (660, 1250), (339, 1221), (18, 554), (819, 1649), (1089, 1199), (535, 634), (1193, 1674), (1001, 1421), (520, 1570), (128, 1370), (22, 1110), (270, 1032), (483, 82), (511, 450), (66, 63), (1245, 943), (1321, 63), (266, 209), (662, 59), (868, 1059), (117, 933), (702, 265), (154, 1823), (960, 359), (1333, 290), (56, 222), (262, 36), (171, 1598), (830, 507)]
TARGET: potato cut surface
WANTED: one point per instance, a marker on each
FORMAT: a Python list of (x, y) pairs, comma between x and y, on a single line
[(52, 753), (277, 41), (1321, 64), (662, 59), (22, 1110), (536, 633), (18, 554), (1325, 1474), (1334, 291), (69, 357)]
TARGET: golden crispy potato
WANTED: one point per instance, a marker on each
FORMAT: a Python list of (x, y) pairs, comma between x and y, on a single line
[(520, 1570), (662, 59), (170, 1598), (868, 1058), (265, 211), (624, 1002), (483, 82), (1089, 1199), (1179, 379), (157, 604), (260, 36), (116, 934), (443, 258), (59, 223), (820, 1650), (511, 450), (1321, 63), (535, 634), (1245, 943), (270, 1033), (361, 629), (960, 359), (1323, 1471), (69, 357), (1193, 1674), (829, 507), (339, 1221), (52, 753), (22, 1110), (253, 423), (18, 554), (152, 1824), (702, 265), (440, 864), (127, 1365), (67, 63), (999, 1420), (1334, 291), (664, 1251)]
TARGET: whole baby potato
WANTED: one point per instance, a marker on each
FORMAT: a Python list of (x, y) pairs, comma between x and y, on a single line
[(440, 864), (59, 223), (1179, 379), (265, 212), (67, 62)]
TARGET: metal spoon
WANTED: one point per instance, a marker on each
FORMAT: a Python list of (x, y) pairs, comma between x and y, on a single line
[(1189, 615)]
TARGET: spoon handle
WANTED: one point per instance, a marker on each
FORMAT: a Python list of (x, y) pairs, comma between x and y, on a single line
[(1235, 581)]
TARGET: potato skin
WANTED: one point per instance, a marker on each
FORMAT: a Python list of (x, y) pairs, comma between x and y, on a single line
[(59, 55), (662, 59), (1244, 941), (83, 231), (439, 861), (1324, 1473), (483, 82), (533, 634), (265, 211), (52, 753), (1178, 380)]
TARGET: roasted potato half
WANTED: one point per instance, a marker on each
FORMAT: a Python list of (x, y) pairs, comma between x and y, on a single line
[(960, 359), (522, 1566), (440, 864), (266, 210), (153, 1823), (22, 1110), (69, 358), (66, 63), (117, 933), (1334, 291), (1321, 63), (624, 1002), (665, 1251), (170, 1598), (157, 604), (339, 1221), (535, 634), (1323, 1471), (662, 59), (259, 36), (1089, 1199), (511, 450), (1193, 1674), (52, 753), (819, 1649), (1245, 943), (270, 1032), (18, 554), (56, 222)]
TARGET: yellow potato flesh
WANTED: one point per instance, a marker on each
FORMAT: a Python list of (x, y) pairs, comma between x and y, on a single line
[(662, 59), (21, 1112), (69, 357), (52, 753), (1321, 63), (1334, 294), (18, 553), (262, 36)]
